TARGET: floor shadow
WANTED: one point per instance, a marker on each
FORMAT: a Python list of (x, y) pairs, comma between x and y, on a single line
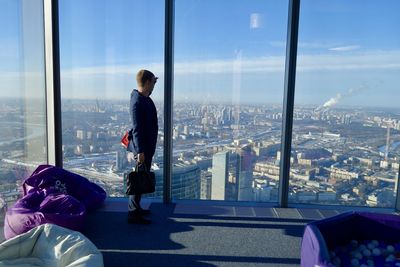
[(292, 227), (124, 244), (159, 259), (119, 241), (110, 230)]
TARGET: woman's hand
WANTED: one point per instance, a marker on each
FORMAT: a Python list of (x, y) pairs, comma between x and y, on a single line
[(140, 158), (130, 157)]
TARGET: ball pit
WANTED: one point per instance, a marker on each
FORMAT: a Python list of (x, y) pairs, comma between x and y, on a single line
[(366, 253), (359, 239)]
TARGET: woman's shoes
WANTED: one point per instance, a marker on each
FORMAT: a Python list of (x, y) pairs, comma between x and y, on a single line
[(144, 212), (136, 216)]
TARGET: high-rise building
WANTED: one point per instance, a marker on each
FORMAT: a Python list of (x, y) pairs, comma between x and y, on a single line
[(219, 180), (185, 182), (121, 160), (262, 193), (245, 181), (80, 134), (186, 130), (205, 185)]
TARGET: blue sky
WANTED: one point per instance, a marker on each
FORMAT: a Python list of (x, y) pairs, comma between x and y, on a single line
[(229, 51)]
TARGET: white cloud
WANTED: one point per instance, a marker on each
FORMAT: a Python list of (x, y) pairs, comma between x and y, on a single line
[(361, 61), (306, 62), (304, 45), (345, 48), (374, 60), (110, 70), (314, 45), (269, 64)]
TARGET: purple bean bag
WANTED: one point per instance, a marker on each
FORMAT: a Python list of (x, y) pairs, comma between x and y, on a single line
[(63, 181), (40, 207), (322, 235), (53, 195)]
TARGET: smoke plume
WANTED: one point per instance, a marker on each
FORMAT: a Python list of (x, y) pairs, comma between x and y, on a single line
[(334, 100)]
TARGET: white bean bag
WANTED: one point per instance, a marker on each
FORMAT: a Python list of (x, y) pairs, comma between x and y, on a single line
[(50, 245)]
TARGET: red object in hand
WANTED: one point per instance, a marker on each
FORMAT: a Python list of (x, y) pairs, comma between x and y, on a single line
[(125, 140)]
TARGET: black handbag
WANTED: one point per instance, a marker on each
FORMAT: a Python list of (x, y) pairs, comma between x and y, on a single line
[(140, 181)]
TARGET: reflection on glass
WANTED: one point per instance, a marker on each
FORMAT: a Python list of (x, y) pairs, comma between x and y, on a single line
[(22, 95), (228, 89), (346, 137), (102, 45)]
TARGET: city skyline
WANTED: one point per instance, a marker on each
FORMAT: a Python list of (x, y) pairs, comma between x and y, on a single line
[(338, 155)]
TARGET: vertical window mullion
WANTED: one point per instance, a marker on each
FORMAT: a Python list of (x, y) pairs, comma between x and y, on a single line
[(168, 94), (288, 101)]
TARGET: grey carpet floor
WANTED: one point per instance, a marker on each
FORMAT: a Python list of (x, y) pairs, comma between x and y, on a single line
[(185, 239)]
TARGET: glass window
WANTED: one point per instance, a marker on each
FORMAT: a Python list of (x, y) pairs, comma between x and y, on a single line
[(228, 90), (22, 95), (346, 138), (103, 44)]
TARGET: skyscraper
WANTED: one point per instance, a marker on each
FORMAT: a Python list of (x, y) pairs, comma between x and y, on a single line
[(245, 165), (220, 163)]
